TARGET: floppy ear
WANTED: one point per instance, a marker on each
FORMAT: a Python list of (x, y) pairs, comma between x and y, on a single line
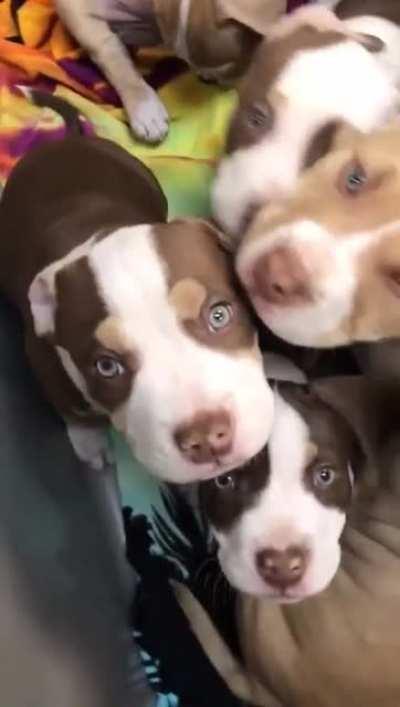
[(42, 291), (42, 299), (255, 14)]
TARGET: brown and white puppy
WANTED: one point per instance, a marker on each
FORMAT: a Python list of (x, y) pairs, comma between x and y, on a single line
[(215, 37), (322, 267), (279, 521), (311, 74), (127, 317)]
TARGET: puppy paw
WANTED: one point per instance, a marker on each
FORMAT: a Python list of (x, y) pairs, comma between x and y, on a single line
[(148, 117)]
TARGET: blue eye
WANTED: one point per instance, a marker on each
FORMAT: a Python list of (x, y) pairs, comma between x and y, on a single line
[(323, 477), (219, 316), (109, 367)]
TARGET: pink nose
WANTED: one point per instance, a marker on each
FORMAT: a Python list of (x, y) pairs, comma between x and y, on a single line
[(206, 438), (282, 568), (280, 278)]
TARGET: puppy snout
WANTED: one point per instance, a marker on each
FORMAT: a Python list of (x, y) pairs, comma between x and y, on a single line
[(282, 568), (280, 278), (206, 438)]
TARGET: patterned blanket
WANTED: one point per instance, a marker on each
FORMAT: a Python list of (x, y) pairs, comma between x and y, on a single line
[(36, 50)]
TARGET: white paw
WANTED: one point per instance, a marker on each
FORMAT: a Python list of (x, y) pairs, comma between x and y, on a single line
[(90, 445), (148, 117)]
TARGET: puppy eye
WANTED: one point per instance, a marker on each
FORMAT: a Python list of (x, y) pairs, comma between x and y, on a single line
[(260, 116), (323, 477), (219, 316), (225, 482), (109, 367), (353, 179)]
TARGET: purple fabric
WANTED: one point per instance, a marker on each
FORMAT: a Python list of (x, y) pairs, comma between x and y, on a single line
[(20, 143), (86, 73)]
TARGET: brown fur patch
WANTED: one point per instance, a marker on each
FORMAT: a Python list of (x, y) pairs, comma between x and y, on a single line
[(212, 43), (388, 9), (187, 298), (167, 16), (333, 443), (76, 329), (311, 452), (320, 144), (224, 506), (111, 335)]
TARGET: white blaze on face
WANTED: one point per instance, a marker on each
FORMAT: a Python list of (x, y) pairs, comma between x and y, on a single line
[(341, 82), (177, 376), (285, 514)]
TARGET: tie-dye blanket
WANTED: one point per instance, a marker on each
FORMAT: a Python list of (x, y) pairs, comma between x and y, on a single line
[(36, 50), (164, 537)]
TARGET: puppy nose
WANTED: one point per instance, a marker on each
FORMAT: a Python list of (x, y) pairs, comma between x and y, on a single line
[(207, 437), (282, 568), (281, 278)]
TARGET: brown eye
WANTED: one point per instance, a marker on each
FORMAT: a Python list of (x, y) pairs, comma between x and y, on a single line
[(259, 116), (109, 367), (225, 482), (353, 179), (220, 316), (323, 477)]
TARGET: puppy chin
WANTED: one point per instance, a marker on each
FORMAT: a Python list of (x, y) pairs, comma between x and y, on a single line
[(247, 581), (292, 595), (173, 469), (291, 326), (176, 471), (306, 590)]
